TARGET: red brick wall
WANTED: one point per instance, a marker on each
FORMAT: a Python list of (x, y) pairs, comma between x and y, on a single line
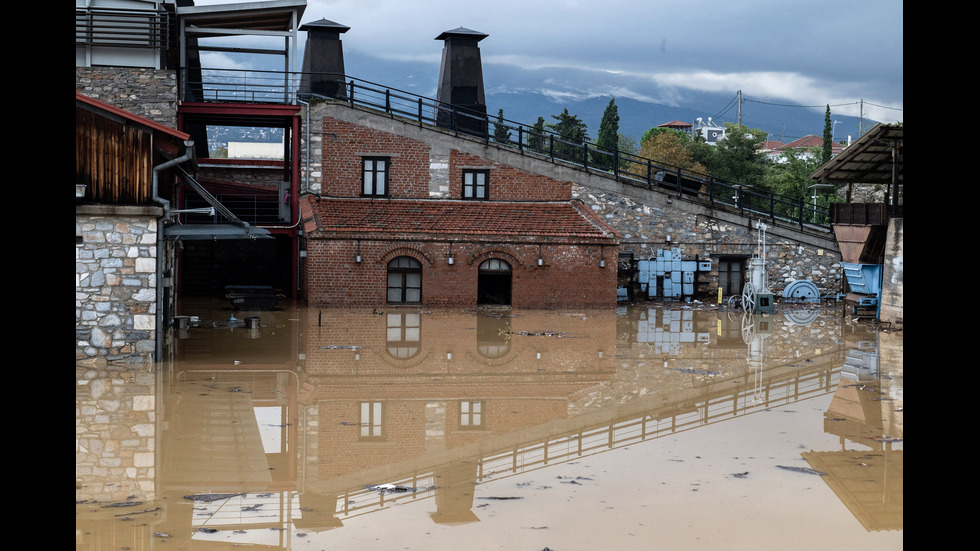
[(569, 277), (344, 145), (507, 182)]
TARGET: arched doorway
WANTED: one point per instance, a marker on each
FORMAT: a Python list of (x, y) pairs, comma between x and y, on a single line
[(404, 281), (494, 282)]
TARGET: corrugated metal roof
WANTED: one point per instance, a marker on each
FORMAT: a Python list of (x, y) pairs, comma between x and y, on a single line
[(875, 158)]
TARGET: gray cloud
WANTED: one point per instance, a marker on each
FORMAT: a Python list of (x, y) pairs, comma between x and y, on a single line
[(806, 53)]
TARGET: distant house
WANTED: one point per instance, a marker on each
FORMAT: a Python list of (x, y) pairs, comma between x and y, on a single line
[(804, 148), (680, 126), (709, 130)]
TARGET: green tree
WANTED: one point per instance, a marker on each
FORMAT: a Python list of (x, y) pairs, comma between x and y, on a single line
[(627, 144), (738, 158), (828, 137), (572, 133), (536, 137), (608, 139), (789, 177), (501, 134), (654, 131)]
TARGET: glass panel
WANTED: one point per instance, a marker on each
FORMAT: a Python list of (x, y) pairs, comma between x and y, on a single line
[(412, 334), (394, 295), (365, 419), (413, 295), (394, 279), (413, 280)]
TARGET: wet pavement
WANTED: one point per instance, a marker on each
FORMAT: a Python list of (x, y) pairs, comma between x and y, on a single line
[(671, 426)]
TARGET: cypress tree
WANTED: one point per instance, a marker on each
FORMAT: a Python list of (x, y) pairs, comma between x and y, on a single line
[(501, 134), (608, 139), (828, 137)]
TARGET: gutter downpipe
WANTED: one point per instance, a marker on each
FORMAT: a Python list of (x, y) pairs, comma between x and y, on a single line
[(187, 156), (306, 185)]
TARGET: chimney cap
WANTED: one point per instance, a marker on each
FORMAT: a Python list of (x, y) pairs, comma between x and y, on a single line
[(462, 32), (326, 25)]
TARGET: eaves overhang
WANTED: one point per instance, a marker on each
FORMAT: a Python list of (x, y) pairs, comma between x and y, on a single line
[(877, 157), (213, 232)]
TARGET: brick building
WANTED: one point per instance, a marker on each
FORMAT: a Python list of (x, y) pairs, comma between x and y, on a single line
[(379, 232), (500, 235)]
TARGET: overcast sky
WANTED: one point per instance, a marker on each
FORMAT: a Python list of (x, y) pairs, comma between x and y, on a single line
[(782, 51)]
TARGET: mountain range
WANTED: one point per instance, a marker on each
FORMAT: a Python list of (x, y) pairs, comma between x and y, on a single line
[(525, 95)]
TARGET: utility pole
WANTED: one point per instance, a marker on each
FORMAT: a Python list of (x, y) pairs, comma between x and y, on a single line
[(739, 108), (861, 120)]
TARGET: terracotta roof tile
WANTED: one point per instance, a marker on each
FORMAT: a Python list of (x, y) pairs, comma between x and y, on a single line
[(552, 219)]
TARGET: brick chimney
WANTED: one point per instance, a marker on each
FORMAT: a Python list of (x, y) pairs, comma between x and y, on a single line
[(461, 81), (323, 60)]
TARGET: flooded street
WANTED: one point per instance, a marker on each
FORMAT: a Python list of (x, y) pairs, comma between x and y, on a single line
[(641, 427)]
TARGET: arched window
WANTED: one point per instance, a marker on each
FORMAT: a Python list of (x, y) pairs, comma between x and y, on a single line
[(404, 281), (494, 282), (403, 335)]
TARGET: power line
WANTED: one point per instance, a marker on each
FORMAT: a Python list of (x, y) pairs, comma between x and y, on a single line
[(819, 106)]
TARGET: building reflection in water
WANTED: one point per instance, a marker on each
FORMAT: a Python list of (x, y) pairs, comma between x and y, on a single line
[(311, 417)]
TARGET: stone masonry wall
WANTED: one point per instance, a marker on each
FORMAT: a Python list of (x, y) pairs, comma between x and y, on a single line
[(647, 228), (115, 434), (149, 93), (115, 287)]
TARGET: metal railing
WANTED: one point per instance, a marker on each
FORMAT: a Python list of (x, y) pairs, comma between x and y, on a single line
[(122, 28), (627, 168)]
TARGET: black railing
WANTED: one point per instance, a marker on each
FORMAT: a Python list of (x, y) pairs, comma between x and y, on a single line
[(627, 168), (122, 28)]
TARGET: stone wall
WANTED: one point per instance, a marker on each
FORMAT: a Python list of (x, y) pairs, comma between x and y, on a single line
[(115, 435), (647, 226), (115, 283), (149, 93), (893, 275)]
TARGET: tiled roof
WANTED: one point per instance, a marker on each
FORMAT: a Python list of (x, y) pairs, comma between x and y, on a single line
[(542, 219), (811, 141)]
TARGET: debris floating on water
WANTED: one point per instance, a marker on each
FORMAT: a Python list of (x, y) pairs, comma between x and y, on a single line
[(803, 470), (390, 488), (695, 371), (208, 498)]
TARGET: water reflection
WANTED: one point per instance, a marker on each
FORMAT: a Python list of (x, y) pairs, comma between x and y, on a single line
[(300, 420)]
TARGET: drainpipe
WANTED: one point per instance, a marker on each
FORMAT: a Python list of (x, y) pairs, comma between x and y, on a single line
[(306, 176), (307, 171), (187, 156)]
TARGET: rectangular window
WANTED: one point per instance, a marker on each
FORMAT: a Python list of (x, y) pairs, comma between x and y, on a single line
[(471, 415), (475, 184), (371, 421), (375, 176)]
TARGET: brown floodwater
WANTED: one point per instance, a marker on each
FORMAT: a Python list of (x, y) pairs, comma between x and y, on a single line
[(678, 426)]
